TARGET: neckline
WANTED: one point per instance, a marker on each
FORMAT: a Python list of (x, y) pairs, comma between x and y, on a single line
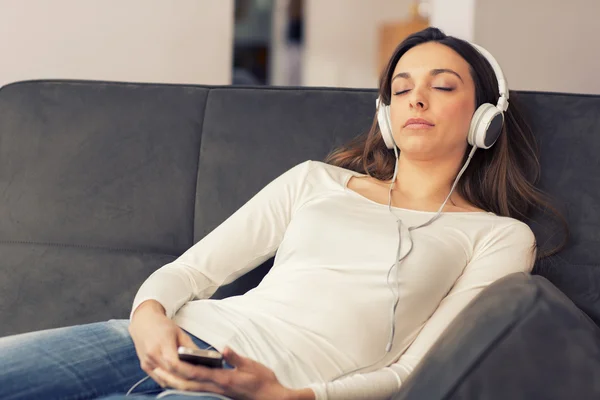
[(354, 173)]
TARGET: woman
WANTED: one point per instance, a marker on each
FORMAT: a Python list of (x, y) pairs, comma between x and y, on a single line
[(377, 252)]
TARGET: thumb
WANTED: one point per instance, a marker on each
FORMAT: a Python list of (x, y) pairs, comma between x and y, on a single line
[(234, 359), (183, 339), (169, 353)]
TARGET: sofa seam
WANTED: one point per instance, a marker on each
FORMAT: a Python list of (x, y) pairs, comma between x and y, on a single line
[(198, 168), (499, 338), (85, 246)]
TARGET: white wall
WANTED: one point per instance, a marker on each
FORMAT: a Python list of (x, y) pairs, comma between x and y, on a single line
[(545, 45), (182, 41), (279, 58), (341, 40), (455, 18)]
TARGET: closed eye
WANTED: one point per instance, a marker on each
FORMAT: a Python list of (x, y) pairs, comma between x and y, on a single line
[(444, 89)]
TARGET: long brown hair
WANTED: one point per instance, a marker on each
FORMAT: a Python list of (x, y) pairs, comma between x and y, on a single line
[(501, 179)]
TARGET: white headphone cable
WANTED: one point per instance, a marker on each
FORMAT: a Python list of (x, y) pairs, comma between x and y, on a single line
[(396, 264), (396, 290)]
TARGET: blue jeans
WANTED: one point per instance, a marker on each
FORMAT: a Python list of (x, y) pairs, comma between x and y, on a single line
[(79, 362)]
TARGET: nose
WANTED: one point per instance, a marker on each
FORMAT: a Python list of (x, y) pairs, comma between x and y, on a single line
[(418, 100)]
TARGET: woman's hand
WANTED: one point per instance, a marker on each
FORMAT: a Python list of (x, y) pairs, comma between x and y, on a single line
[(249, 380), (156, 339)]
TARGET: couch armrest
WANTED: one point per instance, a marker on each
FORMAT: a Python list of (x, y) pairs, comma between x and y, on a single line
[(520, 339)]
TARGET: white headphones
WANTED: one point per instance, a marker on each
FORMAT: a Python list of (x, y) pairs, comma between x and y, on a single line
[(486, 123)]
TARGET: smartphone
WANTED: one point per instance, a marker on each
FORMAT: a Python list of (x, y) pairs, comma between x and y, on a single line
[(206, 358)]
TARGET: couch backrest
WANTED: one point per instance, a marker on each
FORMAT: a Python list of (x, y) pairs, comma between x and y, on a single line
[(102, 183), (97, 189)]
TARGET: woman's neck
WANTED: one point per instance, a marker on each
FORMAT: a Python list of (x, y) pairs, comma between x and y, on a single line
[(426, 181)]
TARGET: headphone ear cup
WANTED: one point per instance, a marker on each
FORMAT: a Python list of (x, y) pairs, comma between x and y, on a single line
[(383, 119), (486, 126)]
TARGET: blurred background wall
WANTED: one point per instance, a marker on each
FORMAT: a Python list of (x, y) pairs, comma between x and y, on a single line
[(547, 45), (543, 44), (182, 41), (342, 40)]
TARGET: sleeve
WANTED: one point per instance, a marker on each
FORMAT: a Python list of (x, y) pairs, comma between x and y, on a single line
[(508, 250), (242, 242)]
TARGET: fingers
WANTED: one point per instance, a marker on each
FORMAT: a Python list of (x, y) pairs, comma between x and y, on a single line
[(176, 382), (165, 357), (224, 378), (161, 355), (170, 355), (185, 340), (156, 378), (182, 339), (149, 360), (194, 372), (235, 359)]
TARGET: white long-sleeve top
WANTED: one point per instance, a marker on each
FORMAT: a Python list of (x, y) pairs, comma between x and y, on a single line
[(324, 308)]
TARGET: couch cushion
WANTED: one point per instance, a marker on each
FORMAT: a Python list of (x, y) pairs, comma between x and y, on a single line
[(252, 135), (567, 127), (93, 163), (517, 340), (49, 286), (97, 184)]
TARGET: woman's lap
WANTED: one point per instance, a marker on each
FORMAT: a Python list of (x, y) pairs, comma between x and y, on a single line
[(79, 362)]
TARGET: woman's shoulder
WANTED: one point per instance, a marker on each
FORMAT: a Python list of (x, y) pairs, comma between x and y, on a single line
[(316, 164), (505, 230), (322, 172), (488, 230), (509, 244), (312, 177)]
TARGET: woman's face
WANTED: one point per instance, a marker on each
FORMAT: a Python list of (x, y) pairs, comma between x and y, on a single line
[(432, 82)]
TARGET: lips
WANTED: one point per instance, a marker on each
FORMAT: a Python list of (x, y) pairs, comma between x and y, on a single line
[(418, 123)]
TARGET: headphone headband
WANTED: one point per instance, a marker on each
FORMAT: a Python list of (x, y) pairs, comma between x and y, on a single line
[(502, 84)]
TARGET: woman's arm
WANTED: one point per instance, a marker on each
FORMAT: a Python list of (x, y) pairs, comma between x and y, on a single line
[(508, 250), (242, 242)]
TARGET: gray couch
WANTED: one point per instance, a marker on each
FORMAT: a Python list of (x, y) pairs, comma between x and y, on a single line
[(102, 183)]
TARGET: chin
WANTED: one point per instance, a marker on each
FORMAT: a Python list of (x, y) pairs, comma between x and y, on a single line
[(418, 148), (419, 155)]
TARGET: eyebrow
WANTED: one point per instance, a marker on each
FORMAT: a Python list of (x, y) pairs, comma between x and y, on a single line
[(433, 72)]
